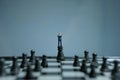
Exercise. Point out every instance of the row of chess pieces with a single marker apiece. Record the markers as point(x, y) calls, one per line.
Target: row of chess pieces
point(14, 69)
point(94, 63)
point(25, 65)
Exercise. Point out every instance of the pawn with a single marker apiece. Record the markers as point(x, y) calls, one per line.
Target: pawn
point(92, 73)
point(24, 61)
point(37, 65)
point(14, 68)
point(32, 57)
point(44, 62)
point(86, 57)
point(83, 67)
point(2, 67)
point(115, 68)
point(104, 64)
point(76, 61)
point(29, 75)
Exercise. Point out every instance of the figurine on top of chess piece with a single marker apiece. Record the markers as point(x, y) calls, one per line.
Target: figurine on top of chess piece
point(60, 55)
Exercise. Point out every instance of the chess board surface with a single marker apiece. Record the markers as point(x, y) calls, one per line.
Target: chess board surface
point(63, 70)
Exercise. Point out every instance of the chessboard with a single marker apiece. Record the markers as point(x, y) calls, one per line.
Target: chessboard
point(55, 68)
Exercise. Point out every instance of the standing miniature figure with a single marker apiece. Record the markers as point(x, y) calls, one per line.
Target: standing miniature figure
point(60, 55)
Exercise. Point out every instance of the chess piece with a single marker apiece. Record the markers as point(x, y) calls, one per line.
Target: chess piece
point(37, 65)
point(60, 55)
point(92, 73)
point(2, 67)
point(24, 61)
point(29, 75)
point(32, 57)
point(83, 67)
point(44, 62)
point(115, 68)
point(76, 61)
point(14, 67)
point(86, 57)
point(94, 57)
point(116, 76)
point(104, 64)
point(94, 60)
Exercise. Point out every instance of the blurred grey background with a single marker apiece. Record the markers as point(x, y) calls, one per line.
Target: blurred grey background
point(92, 25)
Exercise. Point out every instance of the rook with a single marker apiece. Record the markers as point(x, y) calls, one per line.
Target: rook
point(94, 60)
point(14, 67)
point(32, 57)
point(104, 64)
point(86, 57)
point(24, 61)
